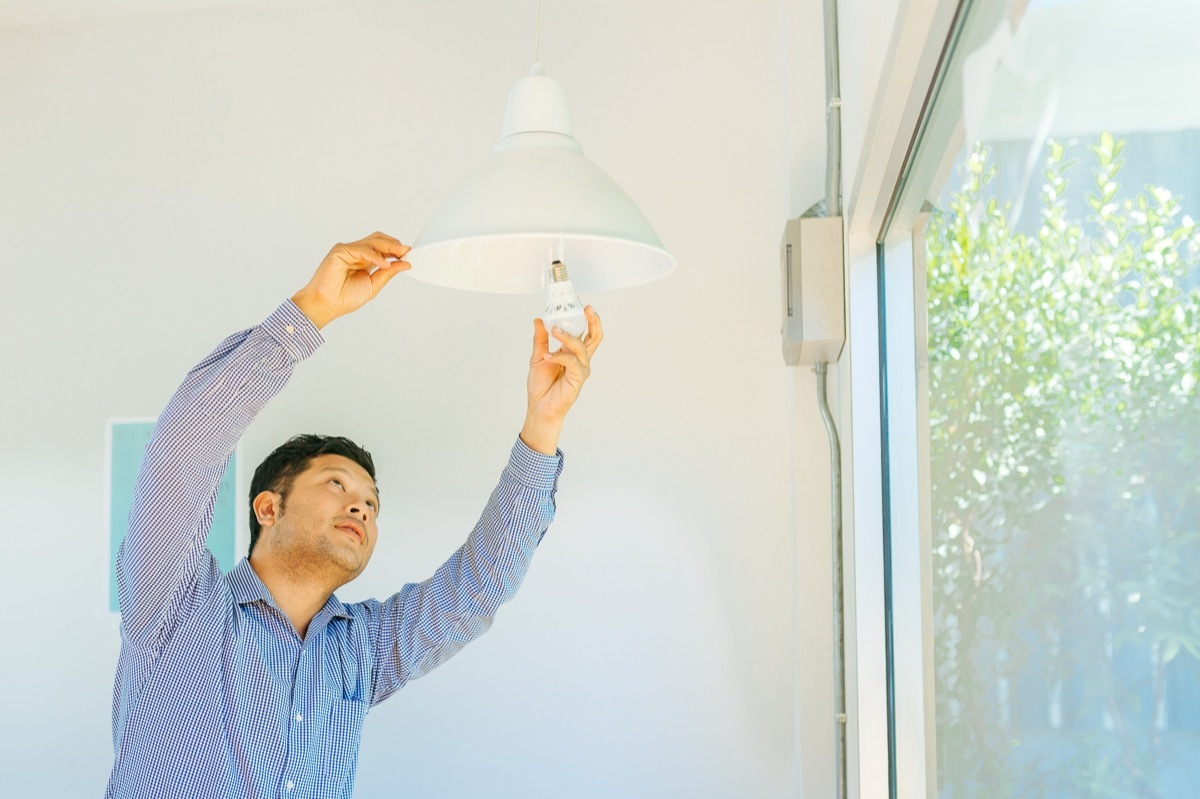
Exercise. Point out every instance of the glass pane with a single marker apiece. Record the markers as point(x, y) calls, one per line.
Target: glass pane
point(1063, 281)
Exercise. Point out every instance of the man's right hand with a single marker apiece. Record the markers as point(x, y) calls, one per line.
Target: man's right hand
point(350, 277)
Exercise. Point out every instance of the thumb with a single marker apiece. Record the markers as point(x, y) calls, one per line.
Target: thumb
point(541, 342)
point(381, 276)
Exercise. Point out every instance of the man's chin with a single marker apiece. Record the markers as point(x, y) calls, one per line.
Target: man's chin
point(350, 566)
point(345, 560)
point(352, 571)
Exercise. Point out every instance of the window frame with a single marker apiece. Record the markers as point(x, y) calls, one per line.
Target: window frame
point(915, 131)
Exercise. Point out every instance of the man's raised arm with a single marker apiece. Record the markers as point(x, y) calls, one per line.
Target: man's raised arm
point(426, 623)
point(163, 566)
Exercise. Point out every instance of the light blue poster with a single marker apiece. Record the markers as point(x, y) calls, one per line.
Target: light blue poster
point(128, 440)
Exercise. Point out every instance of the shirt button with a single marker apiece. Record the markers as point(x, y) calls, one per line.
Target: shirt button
point(290, 785)
point(299, 717)
point(290, 329)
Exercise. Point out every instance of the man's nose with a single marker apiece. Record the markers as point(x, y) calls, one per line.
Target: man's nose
point(359, 509)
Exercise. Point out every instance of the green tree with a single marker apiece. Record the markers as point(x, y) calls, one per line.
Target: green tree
point(1065, 454)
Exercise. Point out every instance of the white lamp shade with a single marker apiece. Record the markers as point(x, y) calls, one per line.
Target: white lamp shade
point(536, 200)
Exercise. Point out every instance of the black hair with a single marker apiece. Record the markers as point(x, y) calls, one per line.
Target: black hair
point(279, 469)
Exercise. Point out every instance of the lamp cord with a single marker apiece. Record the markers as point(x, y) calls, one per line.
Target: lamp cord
point(537, 45)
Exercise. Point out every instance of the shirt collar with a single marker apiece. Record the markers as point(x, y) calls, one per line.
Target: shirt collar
point(247, 588)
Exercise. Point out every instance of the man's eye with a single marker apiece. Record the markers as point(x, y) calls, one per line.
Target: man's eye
point(372, 506)
point(337, 483)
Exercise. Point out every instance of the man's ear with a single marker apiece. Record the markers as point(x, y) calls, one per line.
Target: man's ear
point(267, 507)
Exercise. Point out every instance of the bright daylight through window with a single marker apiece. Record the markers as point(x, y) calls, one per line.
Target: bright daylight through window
point(1063, 284)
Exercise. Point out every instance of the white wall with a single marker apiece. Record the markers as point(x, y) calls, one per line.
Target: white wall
point(166, 179)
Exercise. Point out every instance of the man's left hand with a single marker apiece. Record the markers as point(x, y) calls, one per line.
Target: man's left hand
point(555, 379)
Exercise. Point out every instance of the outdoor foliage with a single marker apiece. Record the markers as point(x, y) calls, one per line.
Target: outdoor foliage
point(1065, 460)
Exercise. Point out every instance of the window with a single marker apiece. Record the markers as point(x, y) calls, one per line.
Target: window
point(1051, 289)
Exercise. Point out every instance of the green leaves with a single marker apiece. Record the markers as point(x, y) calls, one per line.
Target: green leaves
point(1065, 450)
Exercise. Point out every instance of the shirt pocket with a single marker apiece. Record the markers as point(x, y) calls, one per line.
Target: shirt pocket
point(339, 753)
point(349, 657)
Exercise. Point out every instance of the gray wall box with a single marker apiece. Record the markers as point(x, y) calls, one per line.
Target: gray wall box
point(814, 294)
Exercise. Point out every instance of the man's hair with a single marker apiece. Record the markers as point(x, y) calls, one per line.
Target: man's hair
point(279, 469)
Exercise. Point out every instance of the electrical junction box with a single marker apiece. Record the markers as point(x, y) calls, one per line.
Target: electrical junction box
point(814, 290)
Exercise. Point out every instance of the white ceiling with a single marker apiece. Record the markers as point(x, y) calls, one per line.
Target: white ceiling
point(51, 13)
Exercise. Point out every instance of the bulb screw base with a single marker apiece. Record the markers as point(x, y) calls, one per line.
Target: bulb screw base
point(558, 272)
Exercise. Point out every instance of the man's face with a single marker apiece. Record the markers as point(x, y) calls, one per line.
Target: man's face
point(328, 519)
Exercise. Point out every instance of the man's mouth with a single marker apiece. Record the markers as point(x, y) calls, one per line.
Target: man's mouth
point(352, 529)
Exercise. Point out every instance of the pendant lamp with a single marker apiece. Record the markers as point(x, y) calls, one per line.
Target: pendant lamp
point(535, 201)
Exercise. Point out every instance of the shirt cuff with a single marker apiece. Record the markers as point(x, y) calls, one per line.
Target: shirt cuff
point(294, 331)
point(534, 469)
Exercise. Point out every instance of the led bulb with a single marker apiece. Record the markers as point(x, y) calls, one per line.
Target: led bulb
point(563, 308)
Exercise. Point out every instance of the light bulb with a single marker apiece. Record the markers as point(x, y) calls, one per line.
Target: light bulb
point(563, 308)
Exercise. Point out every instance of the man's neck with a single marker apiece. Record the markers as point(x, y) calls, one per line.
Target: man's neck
point(298, 594)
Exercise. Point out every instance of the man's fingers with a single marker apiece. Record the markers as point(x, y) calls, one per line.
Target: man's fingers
point(351, 275)
point(572, 350)
point(541, 341)
point(370, 252)
point(572, 344)
point(356, 256)
point(381, 276)
point(595, 332)
point(576, 371)
point(386, 245)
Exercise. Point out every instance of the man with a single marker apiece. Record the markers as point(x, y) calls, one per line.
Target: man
point(255, 683)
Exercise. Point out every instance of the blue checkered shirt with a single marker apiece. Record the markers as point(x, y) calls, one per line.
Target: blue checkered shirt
point(215, 694)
